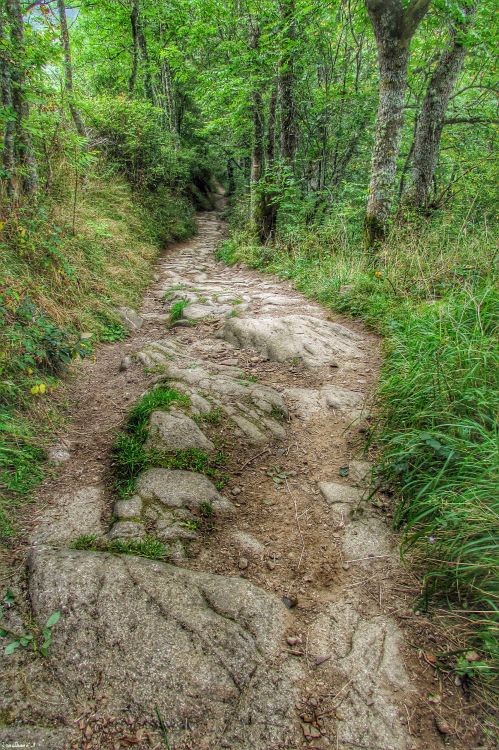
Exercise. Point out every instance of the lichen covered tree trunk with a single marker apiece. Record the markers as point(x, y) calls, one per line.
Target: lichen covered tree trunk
point(287, 82)
point(27, 158)
point(394, 25)
point(8, 153)
point(68, 70)
point(431, 119)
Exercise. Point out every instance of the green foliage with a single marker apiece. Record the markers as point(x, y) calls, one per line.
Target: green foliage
point(177, 308)
point(148, 547)
point(36, 640)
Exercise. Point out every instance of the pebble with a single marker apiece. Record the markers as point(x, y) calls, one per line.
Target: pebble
point(125, 363)
point(270, 564)
point(236, 491)
point(293, 640)
point(346, 566)
point(242, 563)
point(442, 726)
point(290, 601)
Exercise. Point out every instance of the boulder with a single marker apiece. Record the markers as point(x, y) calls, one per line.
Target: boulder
point(313, 341)
point(173, 431)
point(136, 634)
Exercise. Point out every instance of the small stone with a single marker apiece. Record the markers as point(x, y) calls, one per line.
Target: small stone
point(290, 601)
point(125, 363)
point(130, 318)
point(346, 566)
point(310, 732)
point(236, 491)
point(129, 508)
point(270, 564)
point(127, 530)
point(321, 659)
point(293, 640)
point(58, 454)
point(472, 656)
point(242, 563)
point(442, 726)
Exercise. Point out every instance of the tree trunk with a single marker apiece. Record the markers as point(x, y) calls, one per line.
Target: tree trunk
point(270, 156)
point(140, 45)
point(394, 26)
point(19, 103)
point(68, 70)
point(135, 50)
point(267, 208)
point(170, 106)
point(431, 120)
point(287, 81)
point(8, 155)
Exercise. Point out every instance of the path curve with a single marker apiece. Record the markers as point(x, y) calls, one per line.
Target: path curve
point(280, 623)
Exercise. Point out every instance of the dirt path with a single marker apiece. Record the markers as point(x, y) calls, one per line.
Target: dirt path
point(285, 620)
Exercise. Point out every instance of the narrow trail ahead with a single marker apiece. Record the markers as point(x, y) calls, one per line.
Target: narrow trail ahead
point(284, 620)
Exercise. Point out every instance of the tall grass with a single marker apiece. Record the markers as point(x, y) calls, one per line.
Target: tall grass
point(433, 298)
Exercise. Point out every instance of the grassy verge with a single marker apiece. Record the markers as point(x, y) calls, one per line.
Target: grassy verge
point(66, 266)
point(434, 301)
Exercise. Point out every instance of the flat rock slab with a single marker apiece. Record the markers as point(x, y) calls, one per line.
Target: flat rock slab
point(36, 737)
point(313, 341)
point(309, 402)
point(368, 655)
point(202, 648)
point(340, 493)
point(173, 431)
point(180, 489)
point(70, 516)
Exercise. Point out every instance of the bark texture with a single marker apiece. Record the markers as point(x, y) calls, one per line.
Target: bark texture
point(26, 153)
point(68, 70)
point(431, 119)
point(8, 155)
point(394, 26)
point(287, 81)
point(140, 49)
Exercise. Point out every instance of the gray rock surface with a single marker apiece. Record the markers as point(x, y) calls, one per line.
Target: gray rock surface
point(314, 341)
point(202, 648)
point(70, 516)
point(340, 493)
point(173, 431)
point(130, 318)
point(309, 402)
point(129, 508)
point(180, 489)
point(132, 530)
point(36, 737)
point(368, 656)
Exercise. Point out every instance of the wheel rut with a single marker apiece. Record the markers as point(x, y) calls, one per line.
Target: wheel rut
point(282, 622)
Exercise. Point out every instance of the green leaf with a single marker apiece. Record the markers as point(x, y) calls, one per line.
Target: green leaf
point(11, 647)
point(53, 619)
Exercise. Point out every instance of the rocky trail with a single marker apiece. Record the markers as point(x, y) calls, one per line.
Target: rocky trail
point(283, 618)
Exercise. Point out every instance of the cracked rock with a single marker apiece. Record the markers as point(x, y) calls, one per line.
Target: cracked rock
point(200, 647)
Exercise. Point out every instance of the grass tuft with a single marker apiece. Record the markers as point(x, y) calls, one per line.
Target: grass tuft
point(147, 547)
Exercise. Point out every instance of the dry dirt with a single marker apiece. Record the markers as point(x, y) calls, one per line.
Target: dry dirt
point(310, 611)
